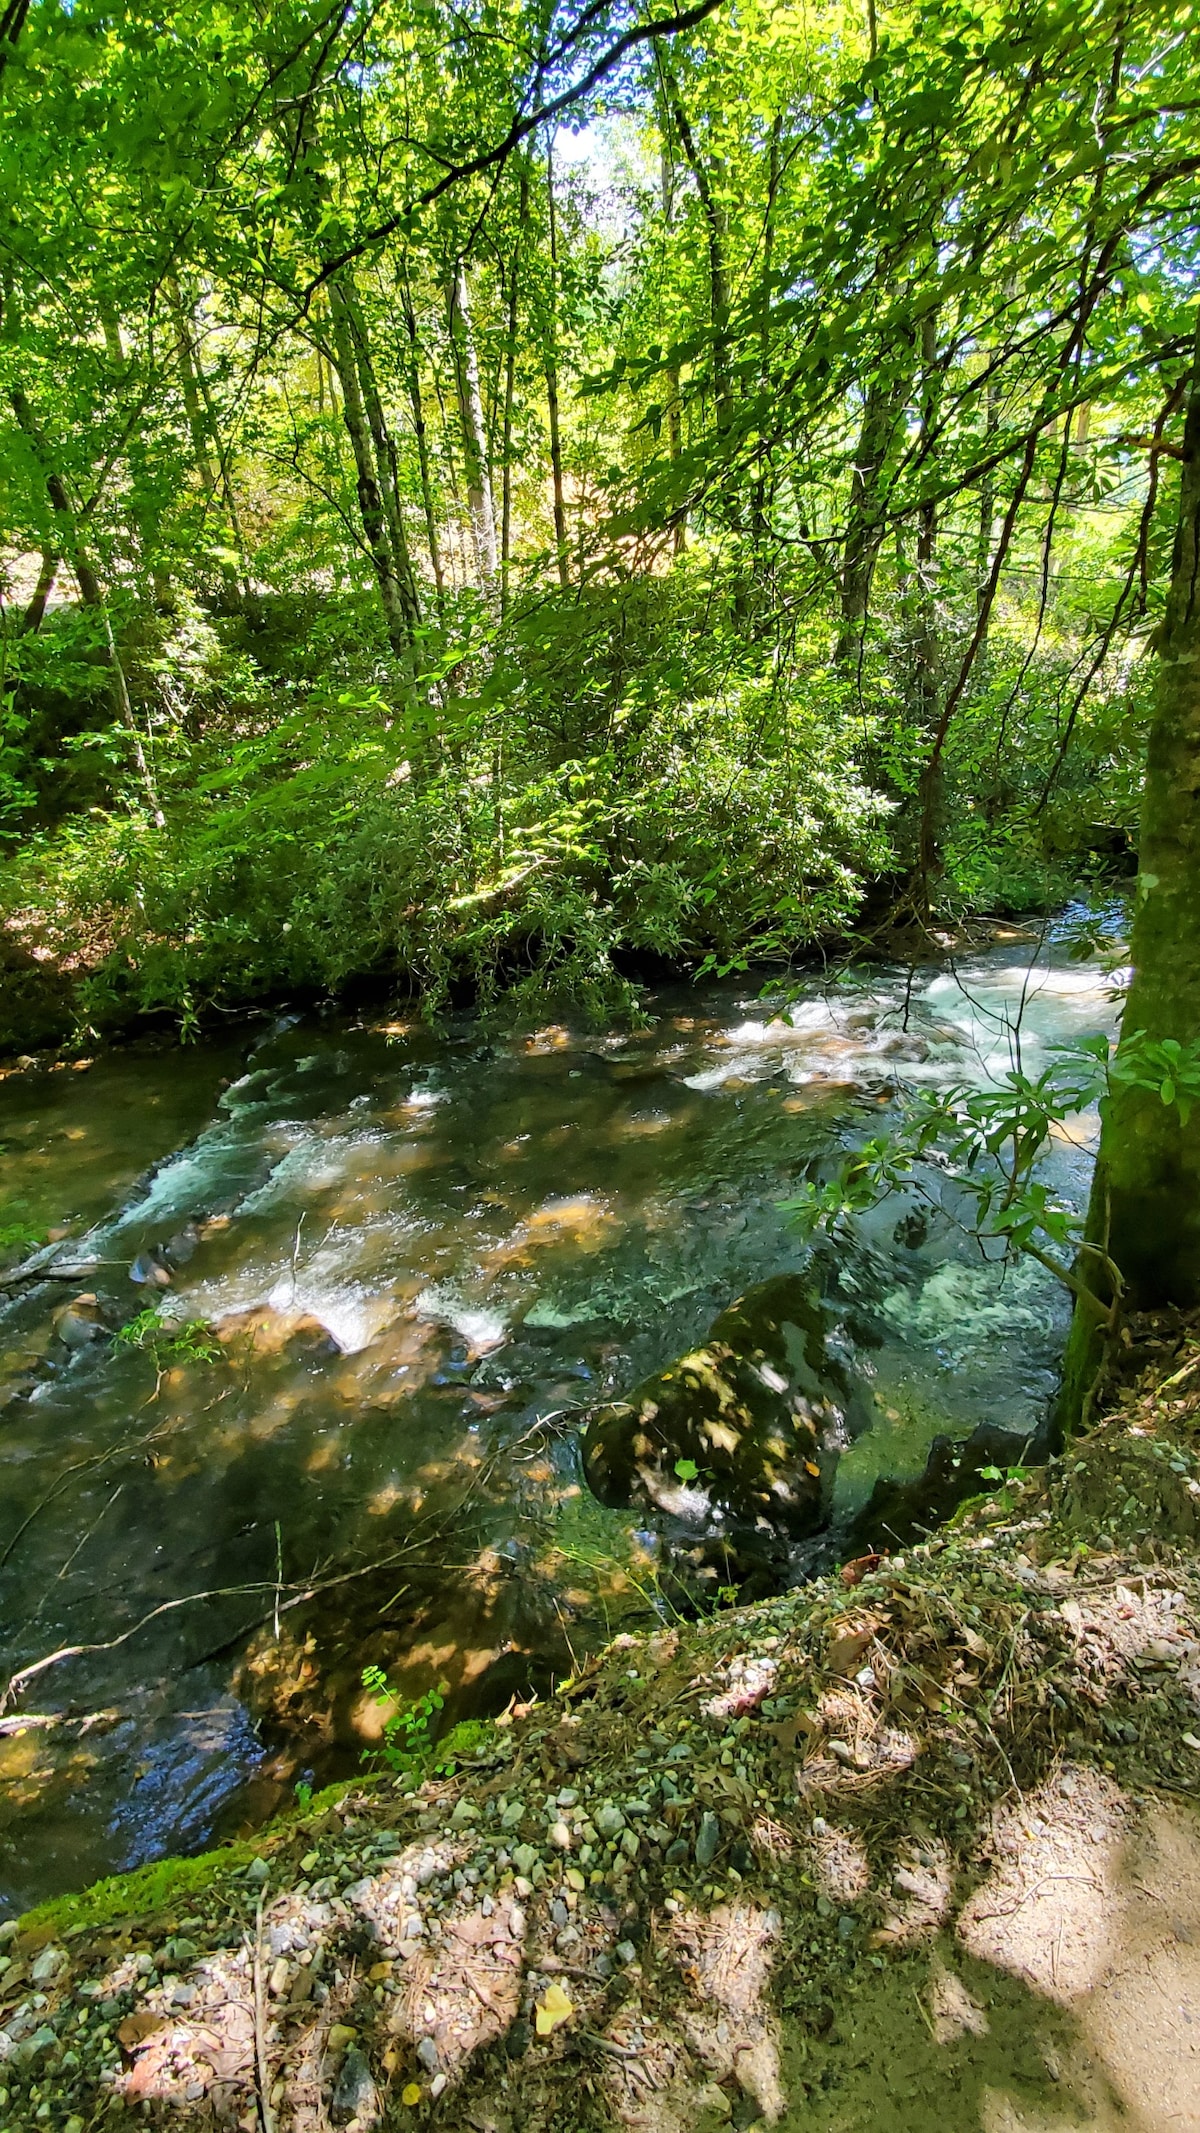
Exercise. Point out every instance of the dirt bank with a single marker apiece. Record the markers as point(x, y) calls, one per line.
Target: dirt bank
point(915, 1847)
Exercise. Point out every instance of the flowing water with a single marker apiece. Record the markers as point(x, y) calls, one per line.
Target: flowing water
point(420, 1254)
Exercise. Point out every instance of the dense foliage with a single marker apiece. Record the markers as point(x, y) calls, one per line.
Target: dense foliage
point(491, 490)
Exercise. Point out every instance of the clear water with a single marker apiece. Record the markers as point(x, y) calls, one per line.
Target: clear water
point(423, 1253)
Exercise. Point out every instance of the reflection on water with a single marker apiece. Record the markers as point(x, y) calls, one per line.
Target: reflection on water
point(421, 1253)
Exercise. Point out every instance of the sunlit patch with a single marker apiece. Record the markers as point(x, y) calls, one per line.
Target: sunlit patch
point(386, 1498)
point(323, 1456)
point(554, 1038)
point(1081, 1130)
point(841, 1868)
point(726, 1958)
point(482, 1329)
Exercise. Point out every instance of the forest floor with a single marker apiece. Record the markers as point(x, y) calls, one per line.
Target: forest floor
point(914, 1847)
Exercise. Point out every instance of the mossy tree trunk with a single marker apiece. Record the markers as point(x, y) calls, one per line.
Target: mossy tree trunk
point(1145, 1206)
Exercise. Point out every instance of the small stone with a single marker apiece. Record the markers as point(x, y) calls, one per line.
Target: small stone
point(576, 1880)
point(309, 1861)
point(558, 1912)
point(74, 2125)
point(257, 1870)
point(560, 1836)
point(414, 1926)
point(438, 2083)
point(46, 1966)
point(280, 1973)
point(625, 1952)
point(516, 1922)
point(525, 1859)
point(609, 1820)
point(676, 1853)
point(427, 2053)
point(340, 2038)
point(487, 1907)
point(464, 1812)
point(707, 1840)
point(629, 1843)
point(512, 1814)
point(354, 2095)
point(567, 1798)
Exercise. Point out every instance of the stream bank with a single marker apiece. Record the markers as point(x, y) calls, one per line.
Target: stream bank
point(915, 1845)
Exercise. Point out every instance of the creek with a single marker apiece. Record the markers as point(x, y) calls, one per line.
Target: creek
point(420, 1254)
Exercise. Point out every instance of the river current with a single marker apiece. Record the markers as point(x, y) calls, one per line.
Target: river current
point(420, 1255)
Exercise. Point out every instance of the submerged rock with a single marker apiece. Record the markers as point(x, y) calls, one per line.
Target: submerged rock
point(900, 1512)
point(746, 1428)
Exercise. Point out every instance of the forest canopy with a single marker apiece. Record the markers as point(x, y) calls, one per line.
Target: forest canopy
point(493, 493)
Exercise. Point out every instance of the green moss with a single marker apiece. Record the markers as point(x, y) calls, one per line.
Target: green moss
point(152, 1888)
point(464, 1738)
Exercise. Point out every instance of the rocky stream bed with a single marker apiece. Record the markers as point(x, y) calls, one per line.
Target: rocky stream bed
point(913, 1846)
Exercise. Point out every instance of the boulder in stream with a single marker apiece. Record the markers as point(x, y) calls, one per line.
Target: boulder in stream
point(745, 1428)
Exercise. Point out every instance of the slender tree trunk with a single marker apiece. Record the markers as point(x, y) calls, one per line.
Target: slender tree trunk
point(1144, 1214)
point(925, 646)
point(416, 402)
point(396, 603)
point(987, 499)
point(510, 380)
point(474, 435)
point(718, 266)
point(74, 548)
point(35, 613)
point(550, 355)
point(674, 383)
point(387, 471)
point(758, 516)
point(865, 516)
point(198, 408)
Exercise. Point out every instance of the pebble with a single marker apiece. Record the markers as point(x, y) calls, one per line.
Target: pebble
point(340, 2037)
point(427, 2053)
point(560, 1836)
point(525, 1859)
point(625, 1952)
point(707, 1840)
point(609, 1820)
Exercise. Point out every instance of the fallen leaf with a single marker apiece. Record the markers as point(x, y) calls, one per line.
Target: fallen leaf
point(135, 2029)
point(788, 1730)
point(411, 2095)
point(844, 1653)
point(854, 1573)
point(556, 2007)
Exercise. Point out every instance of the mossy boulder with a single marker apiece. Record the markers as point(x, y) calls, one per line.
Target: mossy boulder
point(744, 1430)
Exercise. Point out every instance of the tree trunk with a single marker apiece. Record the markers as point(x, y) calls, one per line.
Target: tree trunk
point(1145, 1206)
point(74, 549)
point(718, 268)
point(35, 613)
point(758, 515)
point(925, 653)
point(387, 471)
point(865, 516)
point(213, 474)
point(416, 402)
point(550, 356)
point(397, 607)
point(510, 382)
point(474, 435)
point(674, 382)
